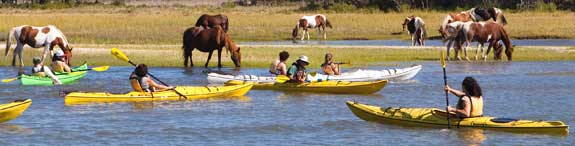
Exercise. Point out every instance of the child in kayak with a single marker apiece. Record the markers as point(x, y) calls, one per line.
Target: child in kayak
point(59, 62)
point(329, 67)
point(279, 66)
point(40, 70)
point(297, 72)
point(141, 82)
point(470, 102)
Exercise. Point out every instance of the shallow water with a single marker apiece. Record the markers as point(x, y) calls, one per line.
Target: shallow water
point(528, 90)
point(526, 42)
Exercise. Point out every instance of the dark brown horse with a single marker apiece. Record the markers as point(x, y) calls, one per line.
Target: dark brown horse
point(208, 40)
point(483, 32)
point(210, 21)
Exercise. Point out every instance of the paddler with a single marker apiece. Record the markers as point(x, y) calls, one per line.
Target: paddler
point(142, 82)
point(329, 67)
point(279, 67)
point(297, 72)
point(59, 62)
point(470, 102)
point(42, 71)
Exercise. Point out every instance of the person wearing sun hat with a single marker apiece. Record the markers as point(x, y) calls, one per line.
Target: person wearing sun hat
point(297, 72)
point(40, 70)
point(59, 62)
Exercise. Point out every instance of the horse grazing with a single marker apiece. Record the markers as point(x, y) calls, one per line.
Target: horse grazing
point(474, 14)
point(208, 40)
point(318, 21)
point(210, 21)
point(416, 28)
point(483, 32)
point(36, 37)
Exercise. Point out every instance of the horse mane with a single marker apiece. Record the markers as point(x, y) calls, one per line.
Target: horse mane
point(506, 41)
point(446, 21)
point(61, 34)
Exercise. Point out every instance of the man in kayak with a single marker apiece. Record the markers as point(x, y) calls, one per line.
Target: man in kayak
point(42, 71)
point(141, 82)
point(59, 62)
point(297, 72)
point(279, 66)
point(470, 102)
point(329, 67)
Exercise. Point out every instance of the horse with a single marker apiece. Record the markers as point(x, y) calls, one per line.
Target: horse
point(36, 37)
point(483, 32)
point(475, 15)
point(318, 21)
point(208, 40)
point(210, 21)
point(416, 28)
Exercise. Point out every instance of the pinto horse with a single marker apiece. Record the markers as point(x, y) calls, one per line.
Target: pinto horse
point(474, 14)
point(210, 21)
point(36, 37)
point(416, 28)
point(318, 21)
point(482, 32)
point(208, 40)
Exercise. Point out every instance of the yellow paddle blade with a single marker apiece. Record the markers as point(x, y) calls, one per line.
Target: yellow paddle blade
point(313, 73)
point(101, 68)
point(282, 78)
point(119, 54)
point(9, 80)
point(442, 59)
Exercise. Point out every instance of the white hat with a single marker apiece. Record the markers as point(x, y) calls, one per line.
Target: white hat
point(59, 53)
point(304, 59)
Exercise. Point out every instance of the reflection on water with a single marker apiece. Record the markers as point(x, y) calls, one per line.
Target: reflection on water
point(471, 136)
point(7, 128)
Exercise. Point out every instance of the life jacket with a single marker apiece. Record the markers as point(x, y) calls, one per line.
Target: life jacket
point(327, 68)
point(140, 84)
point(476, 107)
point(38, 71)
point(56, 67)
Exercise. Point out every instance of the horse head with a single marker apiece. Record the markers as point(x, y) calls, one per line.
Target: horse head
point(68, 54)
point(451, 30)
point(234, 50)
point(405, 21)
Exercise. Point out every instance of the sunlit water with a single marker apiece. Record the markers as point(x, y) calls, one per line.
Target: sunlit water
point(525, 42)
point(528, 90)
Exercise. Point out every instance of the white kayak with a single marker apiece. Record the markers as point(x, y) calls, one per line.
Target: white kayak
point(359, 75)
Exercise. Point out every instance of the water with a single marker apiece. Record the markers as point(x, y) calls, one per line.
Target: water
point(529, 90)
point(526, 42)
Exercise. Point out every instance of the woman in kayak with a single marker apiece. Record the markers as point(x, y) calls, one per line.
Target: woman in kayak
point(297, 72)
point(279, 66)
point(470, 102)
point(329, 67)
point(59, 62)
point(141, 81)
point(40, 70)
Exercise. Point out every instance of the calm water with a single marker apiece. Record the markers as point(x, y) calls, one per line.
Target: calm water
point(526, 42)
point(529, 90)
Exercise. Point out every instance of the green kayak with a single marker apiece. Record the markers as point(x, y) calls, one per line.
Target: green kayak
point(65, 78)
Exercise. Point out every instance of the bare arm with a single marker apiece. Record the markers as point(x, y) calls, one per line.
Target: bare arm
point(465, 112)
point(454, 91)
point(49, 73)
point(336, 69)
point(283, 69)
point(66, 67)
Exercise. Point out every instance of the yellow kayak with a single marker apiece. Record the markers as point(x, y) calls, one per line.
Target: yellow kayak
point(13, 110)
point(437, 117)
point(341, 87)
point(197, 92)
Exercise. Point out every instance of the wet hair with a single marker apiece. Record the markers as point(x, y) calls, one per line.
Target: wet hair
point(141, 70)
point(36, 60)
point(471, 87)
point(284, 55)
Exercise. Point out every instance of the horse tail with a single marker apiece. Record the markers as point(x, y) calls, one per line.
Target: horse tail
point(328, 23)
point(424, 29)
point(200, 20)
point(188, 35)
point(8, 39)
point(503, 20)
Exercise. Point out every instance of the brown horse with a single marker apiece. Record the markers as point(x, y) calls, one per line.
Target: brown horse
point(37, 37)
point(318, 21)
point(208, 40)
point(210, 21)
point(483, 32)
point(475, 15)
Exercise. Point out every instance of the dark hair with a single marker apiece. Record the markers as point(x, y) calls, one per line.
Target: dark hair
point(328, 57)
point(284, 55)
point(471, 87)
point(141, 70)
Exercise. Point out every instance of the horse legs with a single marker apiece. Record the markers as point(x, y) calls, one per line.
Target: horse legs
point(18, 53)
point(449, 43)
point(467, 43)
point(412, 39)
point(209, 57)
point(491, 44)
point(479, 47)
point(306, 31)
point(220, 58)
point(303, 34)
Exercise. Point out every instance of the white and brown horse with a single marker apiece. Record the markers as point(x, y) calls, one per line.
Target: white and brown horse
point(416, 28)
point(481, 32)
point(208, 40)
point(36, 37)
point(474, 14)
point(318, 21)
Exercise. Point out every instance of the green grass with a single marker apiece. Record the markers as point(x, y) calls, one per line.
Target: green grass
point(164, 25)
point(258, 57)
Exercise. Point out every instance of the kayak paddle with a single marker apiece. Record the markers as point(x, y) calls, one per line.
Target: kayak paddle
point(98, 69)
point(120, 55)
point(282, 78)
point(446, 94)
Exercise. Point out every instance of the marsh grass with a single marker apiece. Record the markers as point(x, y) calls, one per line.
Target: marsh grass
point(164, 25)
point(258, 57)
